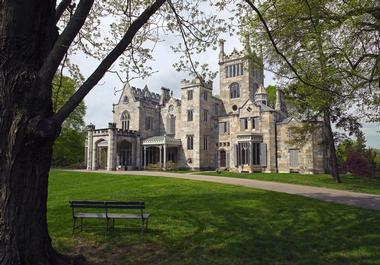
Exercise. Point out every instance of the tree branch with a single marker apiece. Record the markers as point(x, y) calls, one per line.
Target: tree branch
point(269, 33)
point(60, 9)
point(64, 41)
point(94, 78)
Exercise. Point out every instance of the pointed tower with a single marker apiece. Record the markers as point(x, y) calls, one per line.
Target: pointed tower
point(241, 73)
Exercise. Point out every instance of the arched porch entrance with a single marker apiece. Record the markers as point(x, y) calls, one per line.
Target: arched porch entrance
point(101, 151)
point(125, 154)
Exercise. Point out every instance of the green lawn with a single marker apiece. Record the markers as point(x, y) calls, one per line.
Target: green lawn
point(205, 223)
point(352, 183)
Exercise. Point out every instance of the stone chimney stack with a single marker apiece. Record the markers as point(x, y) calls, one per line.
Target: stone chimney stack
point(280, 102)
point(165, 95)
point(221, 50)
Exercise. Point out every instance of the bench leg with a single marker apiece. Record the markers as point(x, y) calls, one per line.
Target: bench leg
point(113, 224)
point(146, 224)
point(74, 223)
point(142, 225)
point(81, 224)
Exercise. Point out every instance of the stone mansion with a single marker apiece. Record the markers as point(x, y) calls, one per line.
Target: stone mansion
point(237, 130)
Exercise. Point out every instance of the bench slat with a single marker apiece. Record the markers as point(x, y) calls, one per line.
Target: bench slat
point(128, 216)
point(90, 215)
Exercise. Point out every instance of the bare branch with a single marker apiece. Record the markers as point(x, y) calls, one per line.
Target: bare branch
point(60, 9)
point(94, 78)
point(64, 41)
point(269, 33)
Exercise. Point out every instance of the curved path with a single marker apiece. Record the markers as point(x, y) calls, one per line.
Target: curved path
point(363, 200)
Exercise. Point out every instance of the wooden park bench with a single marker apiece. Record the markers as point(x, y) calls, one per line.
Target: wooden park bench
point(107, 210)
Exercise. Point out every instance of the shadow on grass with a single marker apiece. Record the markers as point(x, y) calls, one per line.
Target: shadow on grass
point(247, 227)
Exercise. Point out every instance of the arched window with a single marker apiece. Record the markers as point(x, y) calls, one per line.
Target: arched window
point(171, 124)
point(234, 90)
point(125, 121)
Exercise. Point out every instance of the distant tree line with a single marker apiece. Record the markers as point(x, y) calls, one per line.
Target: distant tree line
point(356, 158)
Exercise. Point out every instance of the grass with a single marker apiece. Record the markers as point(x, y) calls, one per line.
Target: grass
point(349, 182)
point(206, 223)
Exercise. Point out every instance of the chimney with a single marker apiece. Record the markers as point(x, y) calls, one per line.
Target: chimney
point(165, 95)
point(280, 102)
point(221, 50)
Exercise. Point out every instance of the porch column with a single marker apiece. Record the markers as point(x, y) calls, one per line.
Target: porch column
point(144, 158)
point(94, 156)
point(251, 153)
point(160, 156)
point(90, 143)
point(137, 157)
point(111, 147)
point(164, 156)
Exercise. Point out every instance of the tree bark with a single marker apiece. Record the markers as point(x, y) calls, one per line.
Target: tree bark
point(330, 142)
point(28, 127)
point(27, 34)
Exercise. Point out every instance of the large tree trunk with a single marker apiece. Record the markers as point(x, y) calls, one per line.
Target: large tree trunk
point(330, 142)
point(27, 33)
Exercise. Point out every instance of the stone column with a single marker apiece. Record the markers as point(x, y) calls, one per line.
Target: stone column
point(137, 157)
point(144, 157)
point(111, 152)
point(160, 156)
point(94, 156)
point(164, 156)
point(90, 140)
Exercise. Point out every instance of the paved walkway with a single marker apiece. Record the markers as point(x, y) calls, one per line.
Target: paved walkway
point(362, 200)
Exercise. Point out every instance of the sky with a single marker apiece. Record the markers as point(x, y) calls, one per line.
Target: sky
point(99, 101)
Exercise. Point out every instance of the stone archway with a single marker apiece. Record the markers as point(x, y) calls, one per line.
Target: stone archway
point(101, 151)
point(125, 154)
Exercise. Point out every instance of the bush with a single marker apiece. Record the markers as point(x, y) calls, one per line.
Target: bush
point(358, 165)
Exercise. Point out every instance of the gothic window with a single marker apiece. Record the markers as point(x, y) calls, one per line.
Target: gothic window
point(234, 70)
point(125, 121)
point(256, 153)
point(234, 90)
point(148, 123)
point(205, 95)
point(171, 125)
point(293, 157)
point(205, 115)
point(223, 127)
point(190, 115)
point(255, 123)
point(244, 153)
point(190, 142)
point(216, 109)
point(205, 142)
point(244, 124)
point(189, 94)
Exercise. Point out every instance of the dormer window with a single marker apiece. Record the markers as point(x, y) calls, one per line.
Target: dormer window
point(234, 90)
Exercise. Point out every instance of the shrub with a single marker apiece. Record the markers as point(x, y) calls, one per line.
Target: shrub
point(358, 165)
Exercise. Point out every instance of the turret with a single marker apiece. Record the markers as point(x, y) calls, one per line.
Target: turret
point(261, 95)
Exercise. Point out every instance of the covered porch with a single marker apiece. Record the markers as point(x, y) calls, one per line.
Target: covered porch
point(158, 150)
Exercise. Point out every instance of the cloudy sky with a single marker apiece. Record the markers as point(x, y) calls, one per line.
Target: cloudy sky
point(99, 101)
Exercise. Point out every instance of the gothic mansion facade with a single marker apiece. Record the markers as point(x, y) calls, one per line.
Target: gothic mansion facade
point(238, 131)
